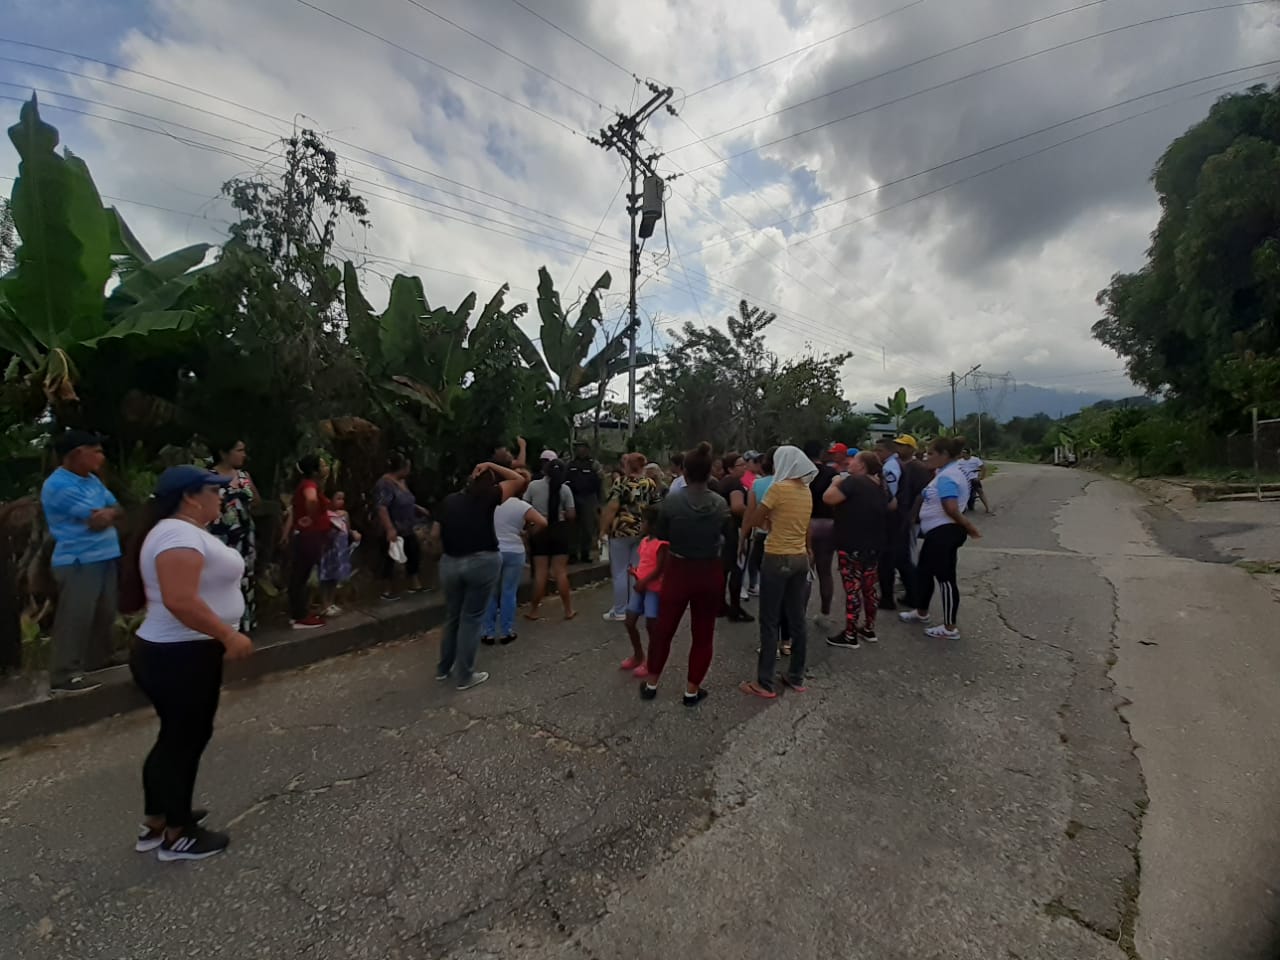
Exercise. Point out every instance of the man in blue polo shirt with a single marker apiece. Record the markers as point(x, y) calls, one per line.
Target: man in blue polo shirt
point(81, 513)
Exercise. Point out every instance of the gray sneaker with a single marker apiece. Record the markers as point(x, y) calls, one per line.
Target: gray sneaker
point(477, 678)
point(74, 686)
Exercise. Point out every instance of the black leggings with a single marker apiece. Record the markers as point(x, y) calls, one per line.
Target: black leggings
point(938, 555)
point(183, 682)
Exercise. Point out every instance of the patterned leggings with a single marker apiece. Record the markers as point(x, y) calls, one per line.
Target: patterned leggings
point(861, 575)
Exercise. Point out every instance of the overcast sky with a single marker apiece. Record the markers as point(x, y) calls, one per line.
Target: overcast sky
point(916, 277)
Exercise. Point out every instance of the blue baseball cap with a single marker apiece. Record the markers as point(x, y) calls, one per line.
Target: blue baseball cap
point(187, 478)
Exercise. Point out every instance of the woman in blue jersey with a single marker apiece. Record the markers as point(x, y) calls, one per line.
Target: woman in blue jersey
point(945, 529)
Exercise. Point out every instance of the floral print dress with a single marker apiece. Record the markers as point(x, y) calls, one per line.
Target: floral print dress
point(235, 529)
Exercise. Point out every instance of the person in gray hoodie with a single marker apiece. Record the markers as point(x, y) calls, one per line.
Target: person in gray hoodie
point(692, 520)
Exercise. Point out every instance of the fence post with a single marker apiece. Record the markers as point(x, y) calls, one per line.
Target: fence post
point(1257, 469)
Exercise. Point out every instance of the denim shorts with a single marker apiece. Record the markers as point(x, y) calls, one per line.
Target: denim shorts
point(644, 603)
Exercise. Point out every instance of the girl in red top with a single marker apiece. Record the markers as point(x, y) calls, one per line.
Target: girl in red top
point(309, 533)
point(648, 590)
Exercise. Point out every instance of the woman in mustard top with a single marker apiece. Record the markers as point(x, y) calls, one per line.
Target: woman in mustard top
point(786, 511)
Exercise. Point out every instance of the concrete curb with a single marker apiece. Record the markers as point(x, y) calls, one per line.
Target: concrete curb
point(275, 651)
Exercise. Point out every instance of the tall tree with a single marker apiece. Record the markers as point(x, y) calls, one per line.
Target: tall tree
point(736, 392)
point(275, 341)
point(1201, 318)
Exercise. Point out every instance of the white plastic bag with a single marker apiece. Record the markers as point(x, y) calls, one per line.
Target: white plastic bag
point(395, 550)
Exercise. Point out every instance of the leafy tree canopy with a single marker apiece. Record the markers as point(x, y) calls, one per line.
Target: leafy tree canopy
point(1201, 319)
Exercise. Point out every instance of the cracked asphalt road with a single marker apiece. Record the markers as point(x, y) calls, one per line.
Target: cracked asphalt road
point(1072, 780)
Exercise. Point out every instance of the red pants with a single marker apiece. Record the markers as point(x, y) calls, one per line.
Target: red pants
point(698, 585)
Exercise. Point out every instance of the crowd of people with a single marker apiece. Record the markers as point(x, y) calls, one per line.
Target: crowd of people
point(706, 536)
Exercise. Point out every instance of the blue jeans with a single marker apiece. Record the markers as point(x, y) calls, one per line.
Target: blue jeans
point(467, 583)
point(503, 599)
point(624, 552)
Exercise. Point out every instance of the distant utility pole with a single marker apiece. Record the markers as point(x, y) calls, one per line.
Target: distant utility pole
point(954, 382)
point(623, 136)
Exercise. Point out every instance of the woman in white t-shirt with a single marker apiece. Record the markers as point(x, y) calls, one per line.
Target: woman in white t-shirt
point(191, 581)
point(510, 521)
point(945, 529)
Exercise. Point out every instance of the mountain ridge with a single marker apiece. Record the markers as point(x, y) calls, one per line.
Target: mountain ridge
point(1022, 400)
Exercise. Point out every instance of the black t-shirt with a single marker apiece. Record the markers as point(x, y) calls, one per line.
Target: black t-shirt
point(818, 486)
point(727, 488)
point(466, 523)
point(860, 522)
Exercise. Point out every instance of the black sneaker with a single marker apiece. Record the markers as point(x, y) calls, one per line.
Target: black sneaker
point(509, 638)
point(195, 844)
point(844, 641)
point(647, 692)
point(740, 616)
point(388, 596)
point(692, 700)
point(488, 641)
point(73, 686)
point(868, 635)
point(151, 837)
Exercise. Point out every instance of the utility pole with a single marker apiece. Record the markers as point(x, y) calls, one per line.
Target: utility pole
point(954, 382)
point(623, 136)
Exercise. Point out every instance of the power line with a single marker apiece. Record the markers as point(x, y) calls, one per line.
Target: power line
point(581, 43)
point(274, 133)
point(439, 66)
point(996, 146)
point(807, 46)
point(572, 248)
point(1026, 156)
point(893, 70)
point(862, 293)
point(506, 53)
point(969, 76)
point(600, 226)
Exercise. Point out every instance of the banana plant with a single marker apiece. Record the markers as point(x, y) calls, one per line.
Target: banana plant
point(896, 408)
point(53, 302)
point(411, 351)
point(575, 375)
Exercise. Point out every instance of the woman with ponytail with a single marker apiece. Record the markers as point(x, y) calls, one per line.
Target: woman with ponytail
point(692, 522)
point(191, 583)
point(552, 498)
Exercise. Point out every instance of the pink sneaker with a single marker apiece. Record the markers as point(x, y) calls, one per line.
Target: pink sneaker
point(641, 672)
point(631, 663)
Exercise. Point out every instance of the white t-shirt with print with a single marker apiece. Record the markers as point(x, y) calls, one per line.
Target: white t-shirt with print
point(949, 484)
point(219, 580)
point(971, 468)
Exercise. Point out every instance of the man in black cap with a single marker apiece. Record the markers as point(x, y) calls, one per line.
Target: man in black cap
point(584, 481)
point(81, 513)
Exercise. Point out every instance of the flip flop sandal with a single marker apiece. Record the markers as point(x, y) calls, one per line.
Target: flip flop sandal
point(755, 690)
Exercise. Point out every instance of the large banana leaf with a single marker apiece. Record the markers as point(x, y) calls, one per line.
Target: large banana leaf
point(566, 345)
point(400, 331)
point(363, 325)
point(142, 284)
point(87, 219)
point(17, 340)
point(135, 323)
point(46, 289)
point(123, 242)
